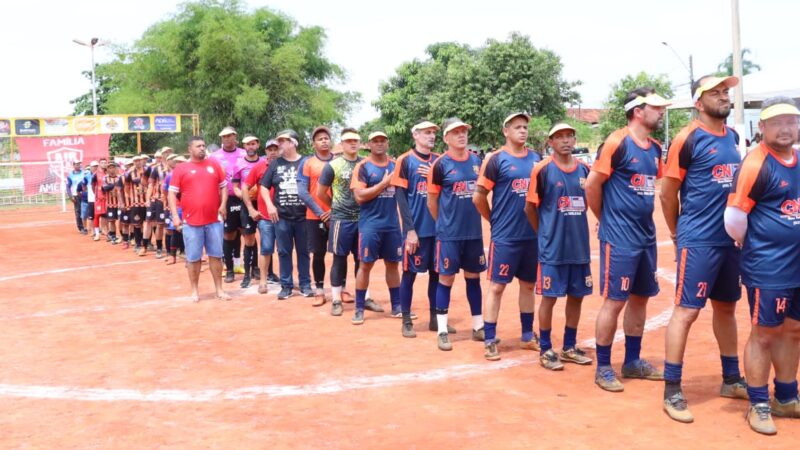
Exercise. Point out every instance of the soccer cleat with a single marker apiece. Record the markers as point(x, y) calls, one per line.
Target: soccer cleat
point(371, 305)
point(788, 409)
point(443, 342)
point(238, 269)
point(229, 277)
point(319, 298)
point(606, 378)
point(142, 251)
point(151, 247)
point(491, 353)
point(273, 279)
point(347, 297)
point(397, 313)
point(549, 360)
point(159, 254)
point(677, 408)
point(533, 344)
point(408, 330)
point(737, 389)
point(245, 282)
point(96, 237)
point(358, 318)
point(306, 291)
point(285, 292)
point(478, 335)
point(575, 355)
point(760, 419)
point(336, 308)
point(643, 370)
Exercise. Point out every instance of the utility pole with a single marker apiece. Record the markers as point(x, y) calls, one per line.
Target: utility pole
point(738, 72)
point(94, 42)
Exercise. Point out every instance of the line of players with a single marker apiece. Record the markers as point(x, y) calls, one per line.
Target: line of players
point(422, 213)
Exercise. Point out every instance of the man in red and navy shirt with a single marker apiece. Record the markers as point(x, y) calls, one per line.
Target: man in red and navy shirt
point(512, 253)
point(620, 191)
point(763, 215)
point(699, 174)
point(202, 185)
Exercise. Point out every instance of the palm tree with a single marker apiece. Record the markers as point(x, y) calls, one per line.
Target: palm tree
point(748, 67)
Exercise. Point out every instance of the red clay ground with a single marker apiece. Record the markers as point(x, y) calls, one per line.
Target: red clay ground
point(103, 350)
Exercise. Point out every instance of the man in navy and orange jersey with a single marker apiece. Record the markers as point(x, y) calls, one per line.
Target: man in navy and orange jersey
point(459, 240)
point(763, 214)
point(512, 252)
point(698, 178)
point(620, 191)
point(317, 212)
point(378, 225)
point(556, 209)
point(419, 231)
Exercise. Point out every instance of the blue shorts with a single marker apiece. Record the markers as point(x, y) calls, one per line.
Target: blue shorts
point(206, 236)
point(85, 211)
point(266, 236)
point(421, 260)
point(513, 259)
point(770, 307)
point(343, 237)
point(564, 279)
point(168, 219)
point(708, 272)
point(385, 245)
point(454, 255)
point(625, 271)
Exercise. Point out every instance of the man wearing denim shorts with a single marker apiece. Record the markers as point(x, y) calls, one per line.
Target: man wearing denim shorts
point(251, 186)
point(202, 184)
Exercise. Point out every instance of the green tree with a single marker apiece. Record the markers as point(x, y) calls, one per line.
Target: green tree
point(614, 118)
point(479, 85)
point(255, 70)
point(725, 68)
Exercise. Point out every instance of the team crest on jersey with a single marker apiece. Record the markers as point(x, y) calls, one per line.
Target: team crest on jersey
point(476, 169)
point(588, 281)
point(582, 181)
point(210, 169)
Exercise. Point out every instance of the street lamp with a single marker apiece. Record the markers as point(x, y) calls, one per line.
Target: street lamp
point(689, 68)
point(94, 42)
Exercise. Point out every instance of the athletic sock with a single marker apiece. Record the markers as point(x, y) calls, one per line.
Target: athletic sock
point(237, 246)
point(730, 369)
point(361, 299)
point(159, 245)
point(544, 341)
point(336, 293)
point(603, 355)
point(407, 291)
point(758, 394)
point(125, 237)
point(489, 332)
point(633, 346)
point(227, 253)
point(673, 372)
point(785, 392)
point(474, 297)
point(248, 251)
point(477, 322)
point(253, 258)
point(394, 297)
point(137, 236)
point(433, 283)
point(570, 338)
point(526, 319)
point(443, 297)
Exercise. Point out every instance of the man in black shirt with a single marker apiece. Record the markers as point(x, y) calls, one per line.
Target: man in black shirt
point(288, 212)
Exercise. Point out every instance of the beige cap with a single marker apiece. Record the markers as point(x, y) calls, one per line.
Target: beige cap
point(454, 125)
point(250, 138)
point(424, 125)
point(375, 134)
point(513, 116)
point(558, 127)
point(227, 130)
point(350, 136)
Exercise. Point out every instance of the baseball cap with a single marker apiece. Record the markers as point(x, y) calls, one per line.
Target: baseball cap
point(166, 150)
point(320, 129)
point(76, 162)
point(558, 127)
point(375, 134)
point(157, 153)
point(181, 158)
point(349, 136)
point(227, 130)
point(287, 134)
point(250, 138)
point(424, 125)
point(113, 164)
point(779, 109)
point(514, 115)
point(651, 99)
point(448, 127)
point(94, 163)
point(712, 82)
point(272, 143)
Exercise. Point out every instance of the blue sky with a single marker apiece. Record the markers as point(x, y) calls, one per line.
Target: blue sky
point(599, 41)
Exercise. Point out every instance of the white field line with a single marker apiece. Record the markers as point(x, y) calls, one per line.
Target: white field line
point(41, 223)
point(299, 390)
point(70, 269)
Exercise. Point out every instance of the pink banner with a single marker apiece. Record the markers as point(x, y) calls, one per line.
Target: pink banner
point(59, 153)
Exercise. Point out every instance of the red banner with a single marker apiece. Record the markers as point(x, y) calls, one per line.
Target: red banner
point(59, 153)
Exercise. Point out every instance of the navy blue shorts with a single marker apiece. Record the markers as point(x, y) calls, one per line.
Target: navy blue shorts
point(564, 279)
point(421, 260)
point(770, 307)
point(513, 259)
point(708, 272)
point(385, 245)
point(343, 237)
point(454, 255)
point(625, 271)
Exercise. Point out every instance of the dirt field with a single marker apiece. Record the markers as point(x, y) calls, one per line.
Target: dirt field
point(102, 349)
